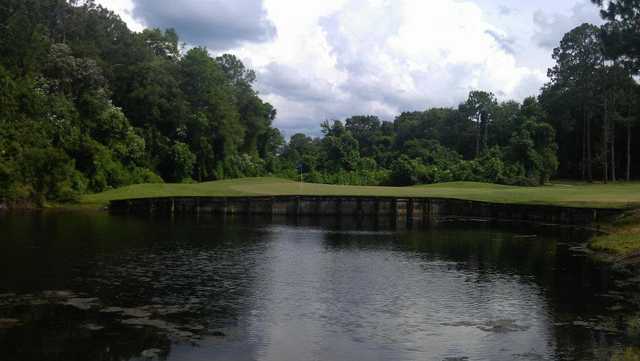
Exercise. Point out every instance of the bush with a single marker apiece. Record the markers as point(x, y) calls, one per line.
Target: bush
point(182, 160)
point(144, 175)
point(107, 172)
point(489, 167)
point(243, 165)
point(404, 171)
point(7, 180)
point(359, 178)
point(52, 175)
point(514, 174)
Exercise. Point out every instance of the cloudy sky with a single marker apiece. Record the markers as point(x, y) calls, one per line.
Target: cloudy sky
point(328, 59)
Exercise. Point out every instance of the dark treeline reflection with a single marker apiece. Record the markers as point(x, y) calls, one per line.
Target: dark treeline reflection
point(93, 286)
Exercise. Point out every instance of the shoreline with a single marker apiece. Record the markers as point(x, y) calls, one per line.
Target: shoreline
point(398, 209)
point(620, 242)
point(607, 224)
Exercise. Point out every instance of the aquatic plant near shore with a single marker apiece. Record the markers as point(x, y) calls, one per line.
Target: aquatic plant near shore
point(622, 239)
point(629, 354)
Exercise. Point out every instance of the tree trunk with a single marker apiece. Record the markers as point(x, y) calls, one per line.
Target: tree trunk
point(605, 142)
point(583, 163)
point(612, 139)
point(478, 138)
point(577, 153)
point(612, 136)
point(485, 123)
point(589, 155)
point(629, 149)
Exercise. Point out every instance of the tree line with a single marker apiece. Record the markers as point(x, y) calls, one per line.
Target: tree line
point(481, 140)
point(87, 105)
point(581, 126)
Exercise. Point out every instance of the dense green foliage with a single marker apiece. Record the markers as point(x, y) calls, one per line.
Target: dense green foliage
point(88, 105)
point(592, 101)
point(482, 140)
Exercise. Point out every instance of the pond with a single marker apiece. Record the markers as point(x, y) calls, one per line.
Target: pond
point(94, 286)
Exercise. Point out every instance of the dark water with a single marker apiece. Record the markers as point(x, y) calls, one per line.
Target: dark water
point(89, 286)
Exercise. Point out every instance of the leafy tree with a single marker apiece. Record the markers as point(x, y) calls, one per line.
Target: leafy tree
point(87, 105)
point(365, 130)
point(112, 107)
point(620, 34)
point(182, 161)
point(405, 171)
point(340, 148)
point(51, 175)
point(533, 146)
point(578, 60)
point(163, 44)
point(302, 153)
point(479, 107)
point(214, 130)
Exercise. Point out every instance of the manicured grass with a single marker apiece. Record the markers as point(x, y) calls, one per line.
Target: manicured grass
point(615, 195)
point(623, 238)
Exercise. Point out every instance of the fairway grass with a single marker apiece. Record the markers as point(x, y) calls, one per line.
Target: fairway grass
point(615, 195)
point(623, 238)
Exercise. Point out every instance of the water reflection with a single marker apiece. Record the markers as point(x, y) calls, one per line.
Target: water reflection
point(280, 289)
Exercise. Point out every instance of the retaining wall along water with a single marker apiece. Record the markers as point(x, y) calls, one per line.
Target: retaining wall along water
point(400, 209)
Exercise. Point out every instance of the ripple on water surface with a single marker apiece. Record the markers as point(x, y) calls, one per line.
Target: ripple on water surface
point(254, 290)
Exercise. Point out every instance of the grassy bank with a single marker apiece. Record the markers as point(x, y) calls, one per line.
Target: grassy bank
point(622, 239)
point(616, 195)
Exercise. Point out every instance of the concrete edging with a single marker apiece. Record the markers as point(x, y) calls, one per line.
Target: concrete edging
point(411, 209)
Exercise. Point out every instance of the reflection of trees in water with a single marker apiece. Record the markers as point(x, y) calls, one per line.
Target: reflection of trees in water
point(212, 264)
point(580, 343)
point(204, 265)
point(55, 332)
point(572, 284)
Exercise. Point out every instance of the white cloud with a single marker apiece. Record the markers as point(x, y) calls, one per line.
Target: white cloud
point(124, 8)
point(551, 27)
point(384, 57)
point(218, 24)
point(335, 58)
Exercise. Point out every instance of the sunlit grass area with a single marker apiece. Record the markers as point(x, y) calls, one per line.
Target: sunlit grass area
point(570, 194)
